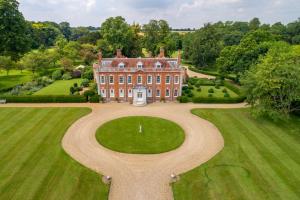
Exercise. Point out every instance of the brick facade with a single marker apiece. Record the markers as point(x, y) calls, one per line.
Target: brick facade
point(117, 77)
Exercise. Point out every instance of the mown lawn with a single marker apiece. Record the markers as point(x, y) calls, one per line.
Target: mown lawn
point(61, 87)
point(157, 136)
point(14, 78)
point(217, 92)
point(261, 160)
point(33, 164)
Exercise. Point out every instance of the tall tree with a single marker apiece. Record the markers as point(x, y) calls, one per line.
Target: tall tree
point(273, 85)
point(118, 34)
point(155, 35)
point(6, 63)
point(14, 39)
point(65, 29)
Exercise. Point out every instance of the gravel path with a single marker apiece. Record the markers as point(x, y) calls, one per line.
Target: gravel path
point(198, 75)
point(137, 177)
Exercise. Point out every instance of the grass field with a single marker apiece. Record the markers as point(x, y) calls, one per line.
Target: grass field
point(158, 135)
point(61, 87)
point(14, 78)
point(261, 160)
point(217, 92)
point(33, 164)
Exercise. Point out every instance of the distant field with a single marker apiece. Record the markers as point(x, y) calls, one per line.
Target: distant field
point(14, 78)
point(217, 92)
point(61, 87)
point(260, 160)
point(33, 164)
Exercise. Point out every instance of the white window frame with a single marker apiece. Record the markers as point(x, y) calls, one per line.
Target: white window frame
point(169, 82)
point(137, 80)
point(176, 79)
point(123, 93)
point(158, 92)
point(129, 92)
point(121, 76)
point(157, 79)
point(151, 77)
point(130, 79)
point(158, 65)
point(102, 79)
point(111, 93)
point(139, 65)
point(168, 91)
point(113, 79)
point(121, 65)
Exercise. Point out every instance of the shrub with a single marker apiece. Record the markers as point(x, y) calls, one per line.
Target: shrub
point(199, 89)
point(217, 86)
point(72, 90)
point(190, 95)
point(88, 74)
point(224, 90)
point(211, 90)
point(185, 88)
point(94, 99)
point(45, 99)
point(75, 85)
point(191, 87)
point(67, 76)
point(198, 85)
point(88, 94)
point(57, 74)
point(183, 99)
point(217, 100)
point(226, 95)
point(234, 88)
point(210, 95)
point(85, 82)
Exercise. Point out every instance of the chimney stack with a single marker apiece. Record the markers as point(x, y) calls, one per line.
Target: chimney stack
point(179, 57)
point(162, 52)
point(100, 57)
point(119, 53)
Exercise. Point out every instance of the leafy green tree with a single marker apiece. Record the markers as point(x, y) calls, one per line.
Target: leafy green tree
point(65, 30)
point(66, 63)
point(88, 53)
point(273, 85)
point(254, 24)
point(6, 63)
point(206, 46)
point(79, 32)
point(37, 61)
point(90, 38)
point(155, 34)
point(118, 35)
point(237, 59)
point(14, 31)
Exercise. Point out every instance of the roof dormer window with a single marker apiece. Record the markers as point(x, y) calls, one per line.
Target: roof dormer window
point(140, 65)
point(121, 65)
point(158, 65)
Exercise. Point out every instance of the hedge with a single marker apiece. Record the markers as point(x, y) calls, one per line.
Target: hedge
point(45, 99)
point(234, 88)
point(217, 100)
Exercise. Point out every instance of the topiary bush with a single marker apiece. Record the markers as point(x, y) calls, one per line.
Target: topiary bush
point(224, 90)
point(94, 99)
point(57, 74)
point(199, 90)
point(210, 95)
point(217, 86)
point(226, 95)
point(211, 90)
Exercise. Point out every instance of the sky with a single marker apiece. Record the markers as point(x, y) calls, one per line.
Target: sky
point(179, 13)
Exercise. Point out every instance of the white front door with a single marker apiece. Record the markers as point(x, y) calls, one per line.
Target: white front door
point(139, 96)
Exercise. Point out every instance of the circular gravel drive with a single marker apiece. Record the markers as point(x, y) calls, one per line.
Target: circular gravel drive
point(144, 177)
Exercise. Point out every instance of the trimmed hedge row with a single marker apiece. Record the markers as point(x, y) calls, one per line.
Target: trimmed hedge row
point(234, 88)
point(192, 68)
point(217, 100)
point(45, 99)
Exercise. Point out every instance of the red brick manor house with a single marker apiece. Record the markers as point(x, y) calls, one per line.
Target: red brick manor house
point(139, 80)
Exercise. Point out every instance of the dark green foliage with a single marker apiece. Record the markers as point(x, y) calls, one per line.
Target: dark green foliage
point(224, 90)
point(88, 74)
point(210, 95)
point(212, 99)
point(94, 99)
point(14, 31)
point(66, 76)
point(44, 99)
point(226, 95)
point(211, 90)
point(57, 75)
point(217, 86)
point(85, 82)
point(183, 99)
point(199, 89)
